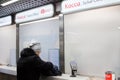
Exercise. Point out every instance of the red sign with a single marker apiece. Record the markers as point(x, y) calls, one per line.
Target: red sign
point(34, 14)
point(72, 5)
point(69, 6)
point(20, 17)
point(42, 11)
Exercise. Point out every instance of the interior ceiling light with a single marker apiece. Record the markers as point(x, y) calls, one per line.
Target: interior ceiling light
point(9, 2)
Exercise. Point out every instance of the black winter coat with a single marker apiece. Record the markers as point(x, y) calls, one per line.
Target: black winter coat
point(30, 67)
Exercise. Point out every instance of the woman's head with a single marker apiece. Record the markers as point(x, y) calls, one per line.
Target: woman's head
point(36, 47)
point(26, 52)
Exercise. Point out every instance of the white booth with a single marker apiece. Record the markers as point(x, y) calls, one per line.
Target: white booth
point(7, 46)
point(7, 42)
point(34, 27)
point(92, 36)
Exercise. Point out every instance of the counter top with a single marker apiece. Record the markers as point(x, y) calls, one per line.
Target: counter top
point(8, 70)
point(12, 71)
point(65, 77)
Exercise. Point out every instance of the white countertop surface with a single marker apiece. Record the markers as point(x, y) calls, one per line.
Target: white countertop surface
point(65, 77)
point(8, 70)
point(13, 71)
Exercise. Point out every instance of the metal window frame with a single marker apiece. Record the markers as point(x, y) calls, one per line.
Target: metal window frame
point(61, 41)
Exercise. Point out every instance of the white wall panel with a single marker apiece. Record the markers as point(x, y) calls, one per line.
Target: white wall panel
point(7, 44)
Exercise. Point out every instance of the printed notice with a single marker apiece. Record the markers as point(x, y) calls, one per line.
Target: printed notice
point(53, 56)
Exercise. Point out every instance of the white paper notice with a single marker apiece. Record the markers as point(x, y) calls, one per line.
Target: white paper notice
point(54, 56)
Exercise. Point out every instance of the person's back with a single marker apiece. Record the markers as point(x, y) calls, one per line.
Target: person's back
point(30, 66)
point(26, 69)
point(26, 66)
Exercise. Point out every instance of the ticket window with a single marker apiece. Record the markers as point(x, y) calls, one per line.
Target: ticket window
point(92, 39)
point(46, 32)
point(8, 45)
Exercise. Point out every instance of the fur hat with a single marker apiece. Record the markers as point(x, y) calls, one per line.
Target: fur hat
point(35, 46)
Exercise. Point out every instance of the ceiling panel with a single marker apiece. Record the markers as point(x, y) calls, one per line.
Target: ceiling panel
point(22, 5)
point(2, 1)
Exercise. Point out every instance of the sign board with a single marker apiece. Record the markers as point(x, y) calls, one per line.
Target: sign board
point(34, 14)
point(5, 21)
point(69, 6)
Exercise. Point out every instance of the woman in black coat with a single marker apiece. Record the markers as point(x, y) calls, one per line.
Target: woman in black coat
point(30, 66)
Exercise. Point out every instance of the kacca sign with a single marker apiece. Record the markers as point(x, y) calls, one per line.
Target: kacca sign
point(34, 14)
point(69, 6)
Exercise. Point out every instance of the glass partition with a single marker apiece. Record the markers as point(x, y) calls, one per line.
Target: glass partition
point(92, 39)
point(45, 32)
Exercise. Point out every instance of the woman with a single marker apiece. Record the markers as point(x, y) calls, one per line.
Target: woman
point(30, 66)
